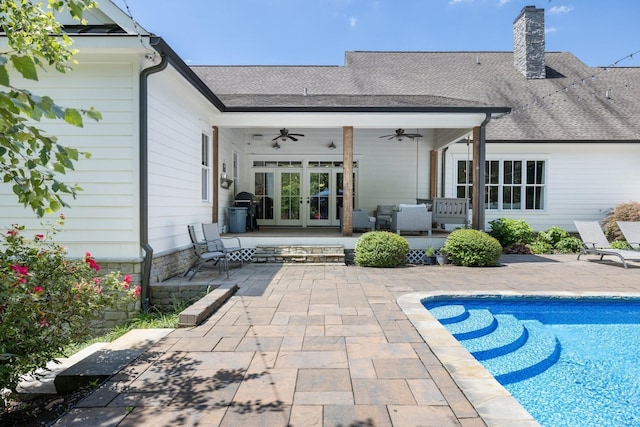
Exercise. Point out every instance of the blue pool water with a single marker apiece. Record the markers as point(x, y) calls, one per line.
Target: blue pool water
point(569, 362)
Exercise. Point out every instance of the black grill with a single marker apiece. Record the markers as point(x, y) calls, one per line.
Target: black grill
point(248, 200)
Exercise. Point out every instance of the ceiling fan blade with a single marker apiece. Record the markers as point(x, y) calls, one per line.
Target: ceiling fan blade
point(277, 138)
point(296, 134)
point(386, 136)
point(292, 138)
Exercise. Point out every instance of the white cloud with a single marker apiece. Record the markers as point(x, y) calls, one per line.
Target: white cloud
point(550, 30)
point(556, 10)
point(503, 2)
point(459, 1)
point(353, 21)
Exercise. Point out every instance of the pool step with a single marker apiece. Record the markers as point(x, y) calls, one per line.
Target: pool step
point(539, 353)
point(510, 349)
point(509, 336)
point(477, 324)
point(450, 313)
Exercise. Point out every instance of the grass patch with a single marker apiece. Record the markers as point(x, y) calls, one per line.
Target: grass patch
point(150, 320)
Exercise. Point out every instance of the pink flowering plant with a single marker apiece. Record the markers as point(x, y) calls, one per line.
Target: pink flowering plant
point(48, 301)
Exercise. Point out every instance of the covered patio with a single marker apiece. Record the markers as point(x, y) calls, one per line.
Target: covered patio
point(365, 170)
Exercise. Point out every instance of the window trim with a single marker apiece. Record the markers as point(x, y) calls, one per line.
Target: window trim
point(205, 167)
point(524, 186)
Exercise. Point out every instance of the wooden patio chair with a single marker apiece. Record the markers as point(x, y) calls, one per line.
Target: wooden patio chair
point(204, 255)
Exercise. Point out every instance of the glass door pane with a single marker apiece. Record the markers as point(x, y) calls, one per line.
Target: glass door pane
point(290, 198)
point(264, 190)
point(319, 198)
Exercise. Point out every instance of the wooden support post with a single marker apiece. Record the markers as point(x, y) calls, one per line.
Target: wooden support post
point(347, 180)
point(433, 175)
point(214, 172)
point(478, 195)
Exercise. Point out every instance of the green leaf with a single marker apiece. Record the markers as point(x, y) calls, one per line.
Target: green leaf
point(72, 116)
point(4, 75)
point(25, 66)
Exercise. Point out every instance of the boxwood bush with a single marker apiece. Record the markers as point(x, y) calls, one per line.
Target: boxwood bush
point(510, 231)
point(381, 249)
point(472, 248)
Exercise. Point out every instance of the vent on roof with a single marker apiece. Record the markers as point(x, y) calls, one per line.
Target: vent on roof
point(528, 43)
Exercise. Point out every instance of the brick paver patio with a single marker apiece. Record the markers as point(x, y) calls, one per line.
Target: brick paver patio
point(325, 346)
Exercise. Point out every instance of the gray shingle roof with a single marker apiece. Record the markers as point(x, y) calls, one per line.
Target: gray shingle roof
point(571, 104)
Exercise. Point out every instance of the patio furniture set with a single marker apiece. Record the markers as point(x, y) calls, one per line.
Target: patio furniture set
point(419, 217)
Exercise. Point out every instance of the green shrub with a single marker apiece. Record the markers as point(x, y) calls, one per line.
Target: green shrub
point(472, 248)
point(541, 247)
point(381, 249)
point(509, 231)
point(553, 235)
point(623, 212)
point(620, 244)
point(48, 301)
point(568, 245)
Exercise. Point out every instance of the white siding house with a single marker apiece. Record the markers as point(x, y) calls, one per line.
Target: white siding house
point(170, 131)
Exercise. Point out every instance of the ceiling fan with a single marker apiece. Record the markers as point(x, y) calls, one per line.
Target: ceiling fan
point(284, 134)
point(400, 135)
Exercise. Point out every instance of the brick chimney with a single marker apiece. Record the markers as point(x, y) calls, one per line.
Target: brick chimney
point(528, 43)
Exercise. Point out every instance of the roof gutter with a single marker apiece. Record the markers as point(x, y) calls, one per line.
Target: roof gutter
point(144, 179)
point(185, 71)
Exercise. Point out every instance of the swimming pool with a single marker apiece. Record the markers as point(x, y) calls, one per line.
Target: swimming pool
point(569, 362)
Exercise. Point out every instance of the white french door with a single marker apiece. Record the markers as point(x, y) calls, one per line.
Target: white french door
point(305, 196)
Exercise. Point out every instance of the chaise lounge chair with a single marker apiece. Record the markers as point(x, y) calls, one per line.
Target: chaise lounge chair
point(631, 232)
point(594, 242)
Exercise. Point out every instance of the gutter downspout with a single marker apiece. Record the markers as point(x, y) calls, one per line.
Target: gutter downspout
point(144, 180)
point(479, 157)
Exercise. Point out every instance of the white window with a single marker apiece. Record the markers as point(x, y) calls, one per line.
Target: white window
point(509, 184)
point(206, 168)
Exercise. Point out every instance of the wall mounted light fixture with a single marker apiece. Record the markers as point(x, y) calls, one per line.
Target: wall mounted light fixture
point(276, 146)
point(332, 146)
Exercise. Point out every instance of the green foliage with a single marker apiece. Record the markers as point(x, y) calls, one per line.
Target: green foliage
point(620, 244)
point(381, 249)
point(623, 212)
point(30, 160)
point(48, 301)
point(553, 235)
point(472, 248)
point(509, 231)
point(568, 245)
point(540, 247)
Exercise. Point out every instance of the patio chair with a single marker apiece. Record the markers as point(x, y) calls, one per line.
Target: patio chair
point(360, 220)
point(594, 242)
point(231, 246)
point(411, 218)
point(631, 232)
point(204, 255)
point(383, 216)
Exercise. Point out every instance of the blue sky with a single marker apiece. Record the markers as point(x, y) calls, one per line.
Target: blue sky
point(318, 32)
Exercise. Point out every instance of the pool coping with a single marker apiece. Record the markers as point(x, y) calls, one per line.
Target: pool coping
point(494, 404)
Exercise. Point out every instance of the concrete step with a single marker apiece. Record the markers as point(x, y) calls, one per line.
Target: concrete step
point(41, 382)
point(108, 360)
point(299, 254)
